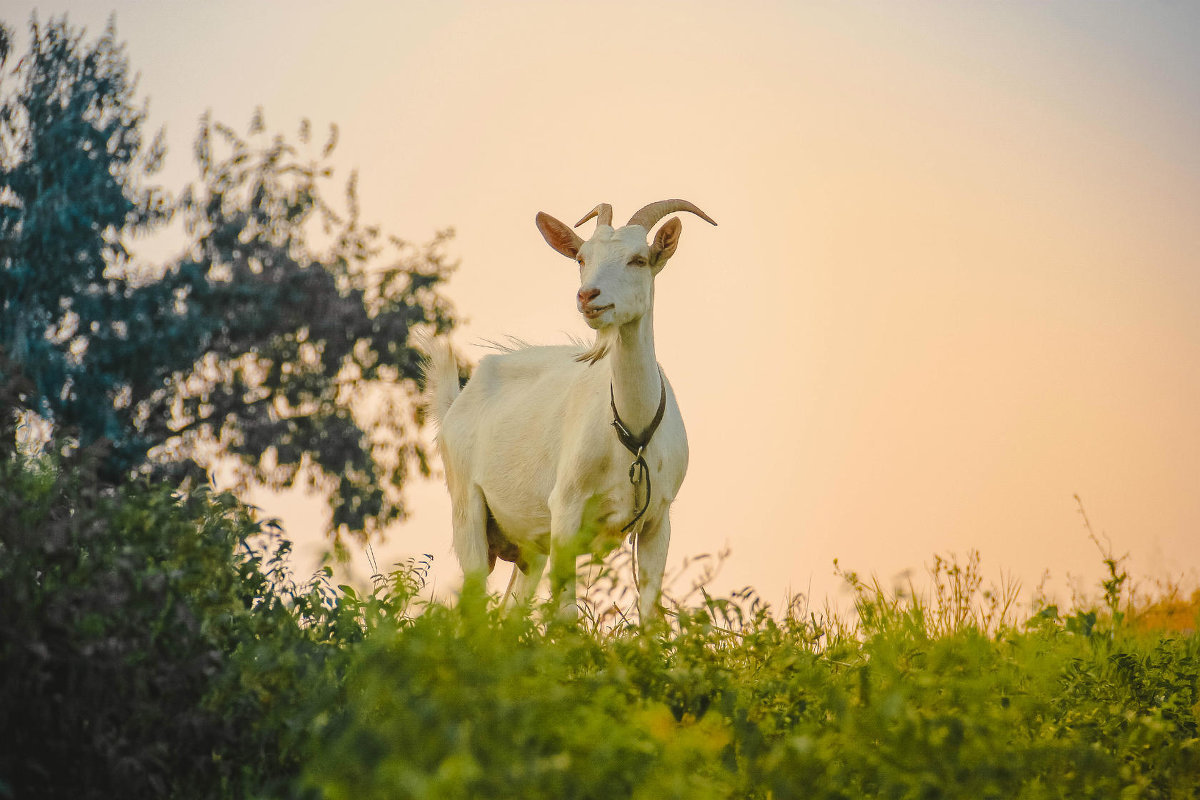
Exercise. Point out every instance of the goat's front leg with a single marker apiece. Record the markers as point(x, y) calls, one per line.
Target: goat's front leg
point(652, 545)
point(566, 517)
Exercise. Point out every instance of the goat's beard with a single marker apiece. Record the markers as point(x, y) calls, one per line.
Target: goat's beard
point(599, 348)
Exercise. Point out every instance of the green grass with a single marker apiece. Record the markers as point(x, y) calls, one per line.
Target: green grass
point(946, 695)
point(160, 645)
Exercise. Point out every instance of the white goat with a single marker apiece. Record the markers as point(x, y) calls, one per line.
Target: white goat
point(541, 447)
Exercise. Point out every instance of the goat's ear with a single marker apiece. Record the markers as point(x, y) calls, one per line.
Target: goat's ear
point(558, 235)
point(665, 242)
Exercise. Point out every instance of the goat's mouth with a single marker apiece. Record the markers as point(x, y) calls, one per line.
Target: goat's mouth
point(594, 312)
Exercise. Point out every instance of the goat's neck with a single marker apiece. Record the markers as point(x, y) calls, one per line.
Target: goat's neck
point(636, 381)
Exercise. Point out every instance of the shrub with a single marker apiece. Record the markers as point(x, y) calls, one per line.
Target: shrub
point(146, 648)
point(157, 643)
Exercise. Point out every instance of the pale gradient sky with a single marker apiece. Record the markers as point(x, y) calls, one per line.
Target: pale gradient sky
point(955, 280)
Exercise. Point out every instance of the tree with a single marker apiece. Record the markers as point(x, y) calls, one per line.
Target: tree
point(72, 167)
point(301, 347)
point(281, 338)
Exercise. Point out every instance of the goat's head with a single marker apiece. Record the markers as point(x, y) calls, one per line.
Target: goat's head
point(617, 266)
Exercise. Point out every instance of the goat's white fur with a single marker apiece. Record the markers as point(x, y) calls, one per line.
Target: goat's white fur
point(529, 440)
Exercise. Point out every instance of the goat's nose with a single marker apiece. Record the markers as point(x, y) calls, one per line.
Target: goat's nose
point(588, 295)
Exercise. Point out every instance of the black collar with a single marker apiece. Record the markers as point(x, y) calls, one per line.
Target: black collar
point(638, 471)
point(635, 444)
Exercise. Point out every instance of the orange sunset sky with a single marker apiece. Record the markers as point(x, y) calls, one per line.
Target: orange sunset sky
point(956, 279)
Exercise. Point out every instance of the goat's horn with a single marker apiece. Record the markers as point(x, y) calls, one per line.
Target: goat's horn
point(649, 215)
point(602, 212)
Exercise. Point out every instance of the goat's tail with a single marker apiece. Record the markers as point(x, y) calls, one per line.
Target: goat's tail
point(441, 379)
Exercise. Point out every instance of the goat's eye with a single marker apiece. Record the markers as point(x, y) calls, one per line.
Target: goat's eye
point(637, 261)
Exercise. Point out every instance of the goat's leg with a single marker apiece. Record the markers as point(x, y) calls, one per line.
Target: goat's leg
point(566, 515)
point(652, 545)
point(525, 583)
point(470, 531)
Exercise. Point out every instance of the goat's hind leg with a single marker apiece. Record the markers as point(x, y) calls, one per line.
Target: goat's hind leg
point(470, 531)
point(524, 584)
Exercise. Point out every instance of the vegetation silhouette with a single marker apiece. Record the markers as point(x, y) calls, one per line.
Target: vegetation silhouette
point(278, 341)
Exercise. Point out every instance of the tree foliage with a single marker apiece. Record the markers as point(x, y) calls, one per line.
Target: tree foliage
point(301, 349)
point(280, 338)
point(73, 166)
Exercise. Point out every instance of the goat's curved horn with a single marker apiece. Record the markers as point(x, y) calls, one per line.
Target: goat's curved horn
point(649, 215)
point(603, 214)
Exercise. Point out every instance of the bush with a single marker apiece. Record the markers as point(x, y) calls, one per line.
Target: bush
point(465, 703)
point(156, 643)
point(148, 648)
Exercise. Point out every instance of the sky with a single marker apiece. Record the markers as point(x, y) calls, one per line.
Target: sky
point(955, 281)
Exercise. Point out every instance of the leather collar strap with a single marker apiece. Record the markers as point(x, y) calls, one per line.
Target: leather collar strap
point(636, 445)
